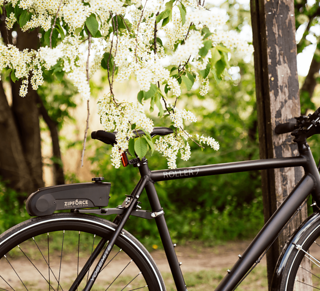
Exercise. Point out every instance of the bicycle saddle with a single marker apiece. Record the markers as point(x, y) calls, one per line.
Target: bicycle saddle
point(110, 137)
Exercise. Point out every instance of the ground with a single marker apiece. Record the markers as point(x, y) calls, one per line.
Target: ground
point(203, 267)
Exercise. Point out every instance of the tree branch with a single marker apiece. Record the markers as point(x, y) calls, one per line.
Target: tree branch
point(88, 103)
point(135, 51)
point(54, 23)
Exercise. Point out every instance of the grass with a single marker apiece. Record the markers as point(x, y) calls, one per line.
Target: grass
point(209, 280)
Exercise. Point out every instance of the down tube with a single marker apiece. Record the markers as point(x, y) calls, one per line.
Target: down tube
point(268, 233)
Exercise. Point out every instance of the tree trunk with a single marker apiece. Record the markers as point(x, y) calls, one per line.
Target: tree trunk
point(277, 88)
point(20, 146)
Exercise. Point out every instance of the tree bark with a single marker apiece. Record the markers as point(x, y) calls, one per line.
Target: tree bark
point(26, 114)
point(277, 88)
point(13, 166)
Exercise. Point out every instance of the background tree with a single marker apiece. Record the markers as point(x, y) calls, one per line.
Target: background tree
point(20, 143)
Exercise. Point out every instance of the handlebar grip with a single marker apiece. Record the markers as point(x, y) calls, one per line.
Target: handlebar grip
point(285, 127)
point(106, 137)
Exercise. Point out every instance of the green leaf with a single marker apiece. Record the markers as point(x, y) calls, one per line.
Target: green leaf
point(18, 11)
point(223, 49)
point(215, 56)
point(24, 18)
point(206, 32)
point(152, 105)
point(59, 75)
point(204, 73)
point(159, 105)
point(47, 37)
point(220, 66)
point(165, 21)
point(205, 49)
point(13, 77)
point(61, 31)
point(152, 91)
point(140, 96)
point(183, 13)
point(167, 89)
point(187, 81)
point(169, 5)
point(92, 24)
point(191, 78)
point(150, 143)
point(159, 41)
point(140, 147)
point(104, 62)
point(131, 147)
point(164, 14)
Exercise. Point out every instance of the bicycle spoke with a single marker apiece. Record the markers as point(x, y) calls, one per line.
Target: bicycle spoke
point(35, 267)
point(118, 275)
point(90, 255)
point(16, 273)
point(308, 285)
point(111, 259)
point(309, 272)
point(78, 256)
point(130, 282)
point(61, 260)
point(139, 288)
point(45, 260)
point(6, 283)
point(48, 260)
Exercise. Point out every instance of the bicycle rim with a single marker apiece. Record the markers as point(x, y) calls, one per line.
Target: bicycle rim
point(48, 253)
point(304, 271)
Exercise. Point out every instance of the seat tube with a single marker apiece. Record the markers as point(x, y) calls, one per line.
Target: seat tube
point(163, 231)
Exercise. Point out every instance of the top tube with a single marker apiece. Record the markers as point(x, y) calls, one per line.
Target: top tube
point(208, 170)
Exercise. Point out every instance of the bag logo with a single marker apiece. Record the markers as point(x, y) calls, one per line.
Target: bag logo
point(76, 203)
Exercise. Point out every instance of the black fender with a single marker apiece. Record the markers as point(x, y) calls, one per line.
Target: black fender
point(280, 273)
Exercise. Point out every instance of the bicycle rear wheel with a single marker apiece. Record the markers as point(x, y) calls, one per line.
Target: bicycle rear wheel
point(47, 253)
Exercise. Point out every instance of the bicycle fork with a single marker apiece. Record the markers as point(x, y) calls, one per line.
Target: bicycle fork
point(135, 196)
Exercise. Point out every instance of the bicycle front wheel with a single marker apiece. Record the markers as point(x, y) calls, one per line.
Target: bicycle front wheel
point(301, 271)
point(47, 253)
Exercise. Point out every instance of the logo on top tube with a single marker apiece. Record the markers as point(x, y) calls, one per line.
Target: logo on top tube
point(181, 173)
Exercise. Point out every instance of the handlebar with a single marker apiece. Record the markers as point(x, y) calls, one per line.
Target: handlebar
point(286, 127)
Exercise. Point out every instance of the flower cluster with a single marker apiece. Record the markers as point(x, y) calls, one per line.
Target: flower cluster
point(166, 45)
point(121, 117)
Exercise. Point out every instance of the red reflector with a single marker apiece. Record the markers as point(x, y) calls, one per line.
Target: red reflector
point(124, 159)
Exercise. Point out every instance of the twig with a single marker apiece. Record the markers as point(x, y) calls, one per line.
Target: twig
point(135, 51)
point(155, 37)
point(4, 19)
point(108, 66)
point(88, 103)
point(125, 23)
point(115, 53)
point(54, 23)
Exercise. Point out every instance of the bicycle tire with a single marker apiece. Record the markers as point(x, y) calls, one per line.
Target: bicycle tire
point(26, 243)
point(302, 268)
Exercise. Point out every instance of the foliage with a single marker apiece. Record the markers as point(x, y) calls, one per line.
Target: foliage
point(11, 212)
point(164, 44)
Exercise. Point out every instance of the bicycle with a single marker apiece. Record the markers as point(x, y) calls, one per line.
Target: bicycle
point(36, 234)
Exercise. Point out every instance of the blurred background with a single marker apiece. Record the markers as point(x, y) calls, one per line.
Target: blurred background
point(41, 142)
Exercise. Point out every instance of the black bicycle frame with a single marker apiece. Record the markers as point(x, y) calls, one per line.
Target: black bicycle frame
point(310, 183)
